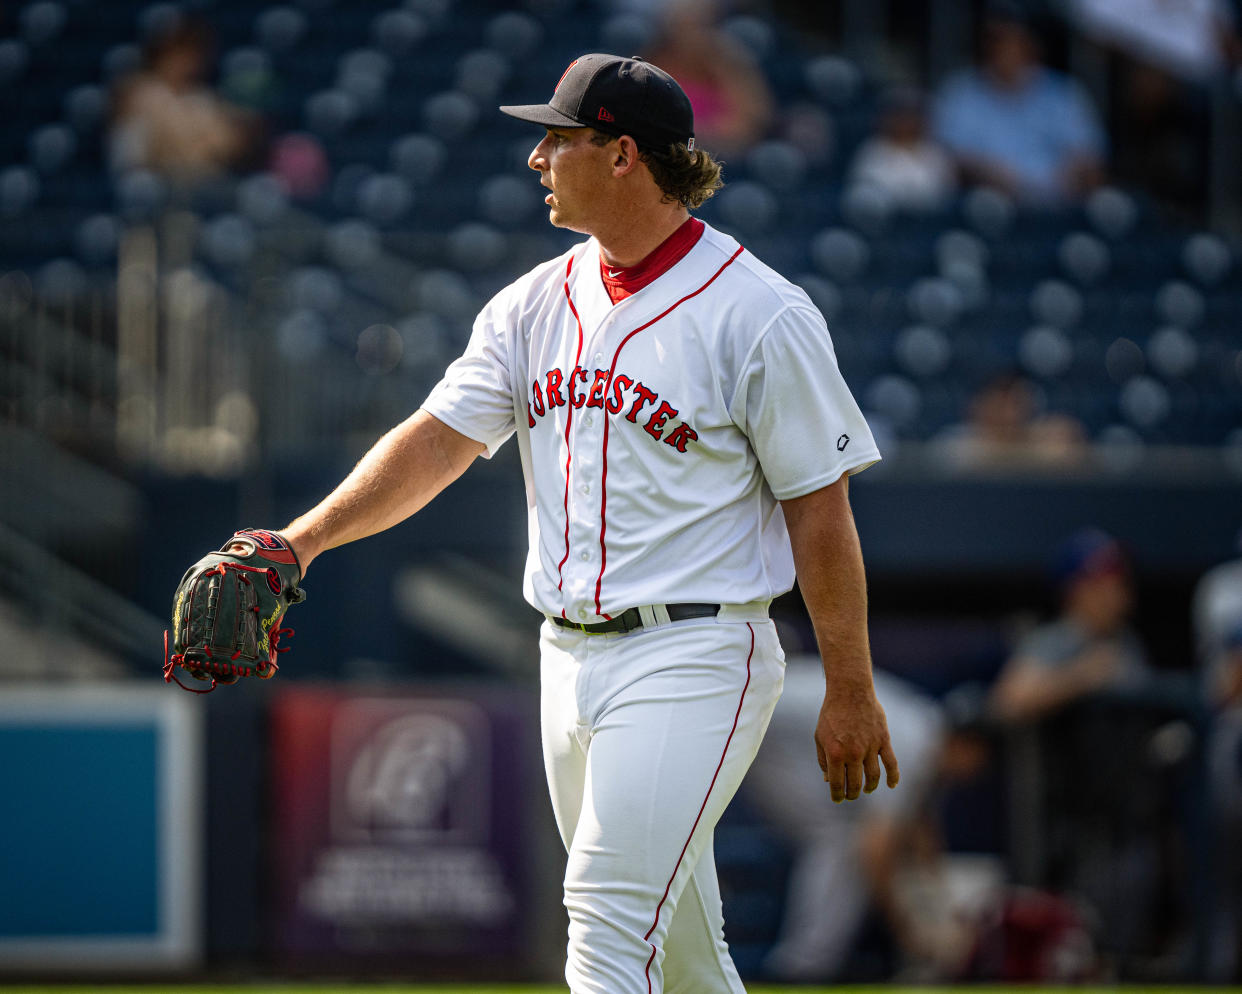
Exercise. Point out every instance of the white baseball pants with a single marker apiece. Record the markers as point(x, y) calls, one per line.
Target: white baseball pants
point(646, 738)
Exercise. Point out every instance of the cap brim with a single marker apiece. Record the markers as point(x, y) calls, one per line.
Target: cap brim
point(541, 114)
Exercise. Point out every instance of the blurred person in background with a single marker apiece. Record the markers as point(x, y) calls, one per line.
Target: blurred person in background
point(900, 160)
point(1163, 58)
point(733, 105)
point(1088, 648)
point(883, 865)
point(1004, 426)
point(1217, 616)
point(1194, 40)
point(1015, 125)
point(167, 119)
point(844, 860)
point(1101, 759)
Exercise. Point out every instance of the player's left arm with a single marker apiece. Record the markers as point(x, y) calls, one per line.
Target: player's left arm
point(851, 736)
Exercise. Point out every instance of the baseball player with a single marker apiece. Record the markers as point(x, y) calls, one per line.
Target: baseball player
point(686, 440)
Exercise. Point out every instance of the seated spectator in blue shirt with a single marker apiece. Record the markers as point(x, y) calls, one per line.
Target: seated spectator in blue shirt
point(1016, 125)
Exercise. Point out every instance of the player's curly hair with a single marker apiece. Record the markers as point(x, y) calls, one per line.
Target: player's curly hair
point(685, 176)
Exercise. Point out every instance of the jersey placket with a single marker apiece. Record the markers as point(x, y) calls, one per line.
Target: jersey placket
point(585, 483)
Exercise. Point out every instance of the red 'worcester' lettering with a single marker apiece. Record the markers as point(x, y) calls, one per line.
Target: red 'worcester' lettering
point(655, 424)
point(554, 389)
point(577, 399)
point(612, 393)
point(644, 396)
point(596, 397)
point(680, 436)
point(619, 382)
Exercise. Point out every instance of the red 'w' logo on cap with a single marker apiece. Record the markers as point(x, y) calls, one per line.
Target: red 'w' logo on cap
point(604, 115)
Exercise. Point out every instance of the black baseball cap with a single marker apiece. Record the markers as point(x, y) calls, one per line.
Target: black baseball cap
point(618, 96)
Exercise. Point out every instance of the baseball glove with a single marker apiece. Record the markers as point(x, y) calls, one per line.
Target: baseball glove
point(227, 611)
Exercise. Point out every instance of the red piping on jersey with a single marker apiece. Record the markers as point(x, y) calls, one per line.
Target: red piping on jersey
point(569, 420)
point(603, 483)
point(702, 807)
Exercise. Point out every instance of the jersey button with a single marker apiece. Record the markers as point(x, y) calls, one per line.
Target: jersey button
point(586, 556)
point(582, 612)
point(586, 488)
point(599, 357)
point(589, 420)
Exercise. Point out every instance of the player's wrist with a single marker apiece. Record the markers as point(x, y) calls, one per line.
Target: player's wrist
point(848, 682)
point(302, 544)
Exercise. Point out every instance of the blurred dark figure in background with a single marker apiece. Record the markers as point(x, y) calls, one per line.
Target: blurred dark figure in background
point(1100, 752)
point(901, 161)
point(165, 118)
point(883, 865)
point(1163, 58)
point(1218, 636)
point(1088, 647)
point(844, 860)
point(1004, 426)
point(733, 106)
point(1017, 126)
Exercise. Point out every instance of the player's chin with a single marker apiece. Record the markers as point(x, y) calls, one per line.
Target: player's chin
point(563, 219)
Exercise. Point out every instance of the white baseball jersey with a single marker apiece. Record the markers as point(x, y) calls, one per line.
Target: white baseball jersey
point(657, 434)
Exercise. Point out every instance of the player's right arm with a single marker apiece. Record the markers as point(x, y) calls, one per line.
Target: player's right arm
point(401, 473)
point(470, 412)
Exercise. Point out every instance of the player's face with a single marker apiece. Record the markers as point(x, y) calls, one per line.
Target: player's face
point(576, 170)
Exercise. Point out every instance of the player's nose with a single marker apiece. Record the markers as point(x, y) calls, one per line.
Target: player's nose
point(537, 159)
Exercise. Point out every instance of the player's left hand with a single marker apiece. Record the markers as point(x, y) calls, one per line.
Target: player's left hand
point(851, 741)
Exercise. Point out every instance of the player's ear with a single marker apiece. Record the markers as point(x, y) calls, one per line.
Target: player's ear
point(626, 156)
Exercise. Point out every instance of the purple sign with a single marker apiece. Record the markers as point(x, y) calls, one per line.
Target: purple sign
point(401, 827)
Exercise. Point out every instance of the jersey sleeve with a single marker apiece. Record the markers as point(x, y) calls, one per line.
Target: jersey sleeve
point(794, 406)
point(475, 395)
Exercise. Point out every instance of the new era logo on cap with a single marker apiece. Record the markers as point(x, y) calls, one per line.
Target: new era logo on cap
point(618, 96)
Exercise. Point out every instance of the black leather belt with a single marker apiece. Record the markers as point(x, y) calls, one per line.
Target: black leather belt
point(631, 620)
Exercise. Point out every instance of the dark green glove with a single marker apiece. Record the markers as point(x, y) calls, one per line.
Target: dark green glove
point(227, 611)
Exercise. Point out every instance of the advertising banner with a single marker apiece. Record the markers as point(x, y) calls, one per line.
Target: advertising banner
point(401, 826)
point(101, 793)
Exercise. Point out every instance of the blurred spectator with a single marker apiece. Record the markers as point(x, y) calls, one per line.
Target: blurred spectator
point(1101, 752)
point(1163, 57)
point(1218, 635)
point(1004, 427)
point(880, 856)
point(166, 119)
point(1088, 648)
point(901, 161)
point(1013, 124)
point(1191, 39)
point(731, 99)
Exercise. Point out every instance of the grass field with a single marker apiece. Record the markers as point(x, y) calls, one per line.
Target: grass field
point(380, 988)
